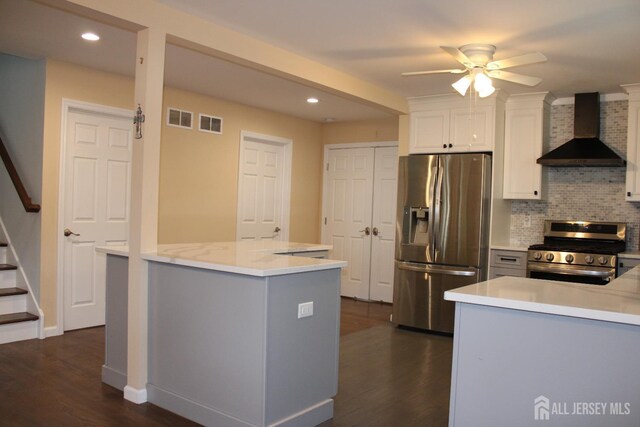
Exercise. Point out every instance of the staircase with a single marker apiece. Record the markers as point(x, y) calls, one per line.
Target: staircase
point(16, 322)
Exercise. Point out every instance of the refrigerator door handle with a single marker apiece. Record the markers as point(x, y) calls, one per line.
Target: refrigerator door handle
point(437, 199)
point(436, 269)
point(431, 235)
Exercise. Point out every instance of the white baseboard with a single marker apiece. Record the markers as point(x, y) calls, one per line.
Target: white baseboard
point(52, 331)
point(135, 395)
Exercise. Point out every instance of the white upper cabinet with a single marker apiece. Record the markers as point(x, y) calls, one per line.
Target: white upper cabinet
point(472, 129)
point(526, 133)
point(632, 190)
point(452, 124)
point(429, 131)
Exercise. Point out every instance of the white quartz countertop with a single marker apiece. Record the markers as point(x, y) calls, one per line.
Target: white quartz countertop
point(630, 254)
point(250, 257)
point(120, 250)
point(510, 248)
point(619, 301)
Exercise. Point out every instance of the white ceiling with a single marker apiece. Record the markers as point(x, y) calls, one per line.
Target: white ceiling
point(590, 45)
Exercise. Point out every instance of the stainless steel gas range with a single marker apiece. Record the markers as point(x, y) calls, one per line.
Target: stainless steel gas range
point(577, 251)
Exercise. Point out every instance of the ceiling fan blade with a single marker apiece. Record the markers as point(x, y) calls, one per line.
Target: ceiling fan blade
point(419, 73)
point(513, 77)
point(458, 55)
point(529, 58)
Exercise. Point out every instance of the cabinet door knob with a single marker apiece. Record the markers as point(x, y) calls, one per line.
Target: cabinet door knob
point(535, 193)
point(450, 145)
point(444, 145)
point(628, 193)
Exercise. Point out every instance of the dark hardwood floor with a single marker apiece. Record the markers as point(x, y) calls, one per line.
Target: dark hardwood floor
point(388, 377)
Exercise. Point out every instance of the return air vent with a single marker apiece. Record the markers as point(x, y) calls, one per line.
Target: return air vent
point(211, 124)
point(179, 118)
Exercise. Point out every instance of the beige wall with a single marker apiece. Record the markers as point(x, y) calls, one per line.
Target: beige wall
point(199, 171)
point(360, 131)
point(198, 181)
point(198, 175)
point(82, 84)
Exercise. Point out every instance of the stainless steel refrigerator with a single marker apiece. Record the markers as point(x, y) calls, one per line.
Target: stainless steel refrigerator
point(441, 234)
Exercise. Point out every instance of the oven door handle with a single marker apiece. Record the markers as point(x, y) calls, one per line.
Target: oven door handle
point(574, 270)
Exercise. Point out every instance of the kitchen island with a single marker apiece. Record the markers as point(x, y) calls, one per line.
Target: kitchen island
point(240, 333)
point(530, 351)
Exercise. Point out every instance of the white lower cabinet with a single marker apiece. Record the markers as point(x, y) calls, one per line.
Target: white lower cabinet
point(507, 263)
point(626, 264)
point(526, 134)
point(360, 218)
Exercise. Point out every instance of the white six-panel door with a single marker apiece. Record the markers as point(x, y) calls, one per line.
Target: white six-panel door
point(350, 192)
point(385, 187)
point(263, 182)
point(361, 196)
point(96, 207)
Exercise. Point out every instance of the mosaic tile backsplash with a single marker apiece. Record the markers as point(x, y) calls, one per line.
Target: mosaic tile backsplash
point(580, 193)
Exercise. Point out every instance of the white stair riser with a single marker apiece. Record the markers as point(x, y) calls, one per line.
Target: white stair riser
point(18, 331)
point(3, 254)
point(13, 304)
point(7, 278)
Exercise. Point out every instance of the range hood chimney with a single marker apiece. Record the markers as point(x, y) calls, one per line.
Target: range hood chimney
point(585, 149)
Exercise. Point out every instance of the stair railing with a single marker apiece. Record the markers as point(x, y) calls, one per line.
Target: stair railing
point(29, 206)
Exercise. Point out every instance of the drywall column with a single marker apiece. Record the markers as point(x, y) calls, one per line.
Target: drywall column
point(143, 232)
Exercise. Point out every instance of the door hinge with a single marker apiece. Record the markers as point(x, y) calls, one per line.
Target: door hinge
point(325, 220)
point(327, 167)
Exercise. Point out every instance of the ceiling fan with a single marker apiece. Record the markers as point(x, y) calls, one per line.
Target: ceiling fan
point(478, 61)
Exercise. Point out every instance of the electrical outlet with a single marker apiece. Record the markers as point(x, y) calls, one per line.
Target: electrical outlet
point(305, 309)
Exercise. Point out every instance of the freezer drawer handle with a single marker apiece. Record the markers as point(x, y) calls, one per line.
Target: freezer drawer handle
point(435, 270)
point(502, 258)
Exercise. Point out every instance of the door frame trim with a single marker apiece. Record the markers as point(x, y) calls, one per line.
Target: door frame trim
point(325, 159)
point(69, 105)
point(287, 144)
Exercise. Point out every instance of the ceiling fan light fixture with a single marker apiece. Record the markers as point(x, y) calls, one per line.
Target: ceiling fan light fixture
point(486, 92)
point(482, 83)
point(463, 84)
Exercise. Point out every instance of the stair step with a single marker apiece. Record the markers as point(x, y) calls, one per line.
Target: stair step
point(17, 317)
point(7, 292)
point(7, 267)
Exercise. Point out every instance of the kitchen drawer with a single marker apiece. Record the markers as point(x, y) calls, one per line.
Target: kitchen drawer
point(626, 264)
point(495, 272)
point(508, 259)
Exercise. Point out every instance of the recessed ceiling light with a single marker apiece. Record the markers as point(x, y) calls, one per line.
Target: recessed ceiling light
point(329, 119)
point(91, 37)
point(312, 100)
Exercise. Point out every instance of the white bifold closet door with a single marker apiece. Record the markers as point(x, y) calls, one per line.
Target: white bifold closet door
point(360, 217)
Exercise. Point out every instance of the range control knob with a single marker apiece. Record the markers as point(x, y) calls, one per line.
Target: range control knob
point(603, 260)
point(537, 256)
point(549, 257)
point(588, 259)
point(569, 258)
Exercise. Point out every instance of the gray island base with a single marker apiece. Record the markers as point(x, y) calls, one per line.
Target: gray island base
point(229, 344)
point(229, 350)
point(530, 352)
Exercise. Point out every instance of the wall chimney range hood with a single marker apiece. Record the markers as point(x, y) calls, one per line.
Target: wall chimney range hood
point(585, 149)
